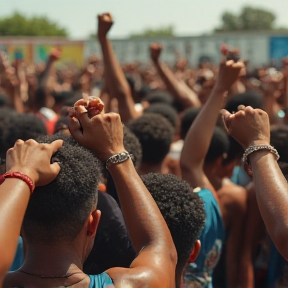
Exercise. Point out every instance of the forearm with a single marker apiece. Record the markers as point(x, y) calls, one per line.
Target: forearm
point(271, 192)
point(14, 197)
point(143, 219)
point(200, 133)
point(174, 86)
point(43, 79)
point(116, 81)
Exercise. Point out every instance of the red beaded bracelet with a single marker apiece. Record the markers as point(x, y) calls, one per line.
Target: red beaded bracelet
point(20, 176)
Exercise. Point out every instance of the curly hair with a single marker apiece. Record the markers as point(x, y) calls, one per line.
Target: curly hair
point(165, 110)
point(21, 126)
point(155, 134)
point(132, 145)
point(59, 209)
point(182, 210)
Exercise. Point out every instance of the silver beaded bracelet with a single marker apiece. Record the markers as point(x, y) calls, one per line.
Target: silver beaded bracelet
point(119, 158)
point(251, 149)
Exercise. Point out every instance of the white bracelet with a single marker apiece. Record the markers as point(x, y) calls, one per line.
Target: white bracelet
point(118, 158)
point(251, 149)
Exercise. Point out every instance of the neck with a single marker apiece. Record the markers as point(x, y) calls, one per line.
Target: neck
point(52, 259)
point(146, 168)
point(178, 279)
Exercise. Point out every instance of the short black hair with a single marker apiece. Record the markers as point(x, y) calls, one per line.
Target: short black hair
point(159, 96)
point(182, 210)
point(21, 126)
point(279, 139)
point(219, 145)
point(132, 145)
point(155, 134)
point(164, 110)
point(60, 209)
point(187, 119)
point(248, 98)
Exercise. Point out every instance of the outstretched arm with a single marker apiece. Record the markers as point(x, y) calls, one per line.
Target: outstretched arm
point(33, 160)
point(117, 84)
point(200, 133)
point(156, 262)
point(251, 127)
point(181, 92)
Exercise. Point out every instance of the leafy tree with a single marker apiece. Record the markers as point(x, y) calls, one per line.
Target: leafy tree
point(249, 19)
point(160, 32)
point(19, 25)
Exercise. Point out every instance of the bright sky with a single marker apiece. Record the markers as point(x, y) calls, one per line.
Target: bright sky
point(189, 17)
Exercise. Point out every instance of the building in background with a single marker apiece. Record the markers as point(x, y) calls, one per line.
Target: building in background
point(37, 49)
point(259, 47)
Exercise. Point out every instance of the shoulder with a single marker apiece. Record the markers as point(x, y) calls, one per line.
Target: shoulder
point(100, 280)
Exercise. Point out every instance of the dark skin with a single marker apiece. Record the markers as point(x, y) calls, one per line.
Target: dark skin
point(33, 160)
point(115, 80)
point(182, 93)
point(251, 127)
point(143, 219)
point(197, 174)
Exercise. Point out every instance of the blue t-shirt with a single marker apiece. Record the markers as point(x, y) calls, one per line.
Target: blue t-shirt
point(19, 256)
point(100, 280)
point(212, 237)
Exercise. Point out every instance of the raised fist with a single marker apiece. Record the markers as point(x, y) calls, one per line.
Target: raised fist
point(155, 51)
point(105, 22)
point(55, 54)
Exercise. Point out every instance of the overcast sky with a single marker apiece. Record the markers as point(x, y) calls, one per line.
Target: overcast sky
point(189, 17)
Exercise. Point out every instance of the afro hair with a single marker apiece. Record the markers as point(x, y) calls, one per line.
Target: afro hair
point(59, 209)
point(182, 210)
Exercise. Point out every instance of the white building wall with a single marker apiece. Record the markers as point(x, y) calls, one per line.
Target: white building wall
point(254, 47)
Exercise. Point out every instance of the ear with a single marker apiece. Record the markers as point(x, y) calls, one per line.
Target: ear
point(195, 251)
point(93, 222)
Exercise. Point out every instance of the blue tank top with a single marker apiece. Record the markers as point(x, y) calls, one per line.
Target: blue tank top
point(100, 280)
point(212, 237)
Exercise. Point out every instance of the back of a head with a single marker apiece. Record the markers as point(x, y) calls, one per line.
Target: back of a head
point(159, 96)
point(59, 210)
point(165, 110)
point(279, 139)
point(249, 98)
point(219, 145)
point(182, 210)
point(188, 118)
point(132, 145)
point(155, 135)
point(22, 126)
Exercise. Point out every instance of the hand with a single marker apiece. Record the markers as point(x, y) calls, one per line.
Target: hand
point(248, 126)
point(105, 22)
point(229, 72)
point(55, 54)
point(102, 134)
point(33, 159)
point(155, 51)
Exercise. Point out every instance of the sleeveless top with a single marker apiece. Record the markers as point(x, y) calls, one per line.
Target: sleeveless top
point(199, 273)
point(100, 280)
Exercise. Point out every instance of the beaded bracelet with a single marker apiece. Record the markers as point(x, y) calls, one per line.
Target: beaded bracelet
point(250, 150)
point(20, 176)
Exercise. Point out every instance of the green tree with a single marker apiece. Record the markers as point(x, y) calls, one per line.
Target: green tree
point(159, 32)
point(250, 18)
point(19, 25)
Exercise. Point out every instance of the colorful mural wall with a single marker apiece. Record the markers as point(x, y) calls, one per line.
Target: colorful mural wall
point(37, 50)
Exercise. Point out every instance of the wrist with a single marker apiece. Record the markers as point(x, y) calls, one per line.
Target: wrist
point(257, 143)
point(28, 172)
point(219, 90)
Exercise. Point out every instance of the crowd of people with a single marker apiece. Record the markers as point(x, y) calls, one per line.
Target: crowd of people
point(142, 174)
